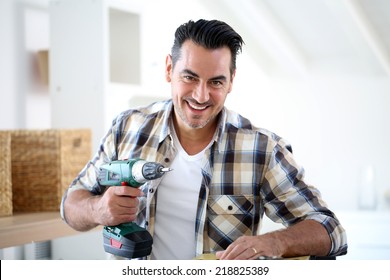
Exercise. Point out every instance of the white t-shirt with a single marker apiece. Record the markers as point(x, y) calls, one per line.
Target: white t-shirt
point(177, 201)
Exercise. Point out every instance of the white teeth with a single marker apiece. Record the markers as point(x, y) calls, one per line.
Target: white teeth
point(196, 107)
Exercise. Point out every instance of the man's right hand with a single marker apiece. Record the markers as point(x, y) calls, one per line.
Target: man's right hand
point(84, 211)
point(118, 205)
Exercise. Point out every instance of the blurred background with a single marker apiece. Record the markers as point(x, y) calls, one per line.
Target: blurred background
point(316, 72)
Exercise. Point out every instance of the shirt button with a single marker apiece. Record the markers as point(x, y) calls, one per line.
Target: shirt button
point(166, 160)
point(230, 208)
point(151, 190)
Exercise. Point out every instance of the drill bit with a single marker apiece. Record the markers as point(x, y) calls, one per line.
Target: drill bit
point(165, 169)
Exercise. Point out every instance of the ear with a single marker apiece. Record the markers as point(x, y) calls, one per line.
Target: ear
point(231, 81)
point(168, 68)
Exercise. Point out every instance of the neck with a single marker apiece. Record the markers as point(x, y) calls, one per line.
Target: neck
point(194, 140)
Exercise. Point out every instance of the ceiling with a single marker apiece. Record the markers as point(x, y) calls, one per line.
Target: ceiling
point(316, 37)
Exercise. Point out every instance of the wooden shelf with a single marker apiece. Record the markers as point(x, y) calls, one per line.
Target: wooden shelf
point(20, 229)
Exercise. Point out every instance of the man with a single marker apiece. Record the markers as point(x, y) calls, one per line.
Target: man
point(226, 172)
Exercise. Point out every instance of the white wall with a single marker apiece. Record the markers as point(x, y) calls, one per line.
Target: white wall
point(8, 117)
point(24, 30)
point(338, 126)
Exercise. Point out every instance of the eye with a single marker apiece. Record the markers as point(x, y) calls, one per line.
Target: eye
point(216, 83)
point(189, 78)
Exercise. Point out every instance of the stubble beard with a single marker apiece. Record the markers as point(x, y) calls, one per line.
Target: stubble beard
point(196, 123)
point(192, 124)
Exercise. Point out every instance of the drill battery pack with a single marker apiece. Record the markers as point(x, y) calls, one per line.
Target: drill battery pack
point(127, 240)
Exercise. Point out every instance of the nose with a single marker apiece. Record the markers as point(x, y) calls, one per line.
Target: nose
point(201, 93)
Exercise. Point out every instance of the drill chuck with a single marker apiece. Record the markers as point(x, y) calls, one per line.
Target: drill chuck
point(145, 170)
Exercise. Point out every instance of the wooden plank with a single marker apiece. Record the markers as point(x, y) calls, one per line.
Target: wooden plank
point(20, 229)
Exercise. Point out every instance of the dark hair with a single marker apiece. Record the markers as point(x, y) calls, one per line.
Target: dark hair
point(210, 34)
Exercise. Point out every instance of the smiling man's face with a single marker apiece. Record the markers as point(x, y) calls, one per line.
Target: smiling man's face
point(200, 82)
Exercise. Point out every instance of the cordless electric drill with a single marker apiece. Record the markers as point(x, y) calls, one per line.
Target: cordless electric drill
point(128, 240)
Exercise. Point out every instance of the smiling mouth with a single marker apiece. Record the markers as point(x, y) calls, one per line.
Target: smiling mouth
point(197, 107)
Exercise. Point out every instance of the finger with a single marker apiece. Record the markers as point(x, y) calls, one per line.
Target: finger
point(128, 191)
point(233, 252)
point(128, 202)
point(254, 253)
point(222, 255)
point(243, 254)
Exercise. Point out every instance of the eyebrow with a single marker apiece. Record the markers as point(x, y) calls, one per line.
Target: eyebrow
point(217, 78)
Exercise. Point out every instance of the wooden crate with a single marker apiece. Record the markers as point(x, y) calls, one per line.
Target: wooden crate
point(44, 163)
point(5, 174)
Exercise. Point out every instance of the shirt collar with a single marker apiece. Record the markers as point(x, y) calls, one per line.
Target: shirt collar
point(167, 112)
point(222, 119)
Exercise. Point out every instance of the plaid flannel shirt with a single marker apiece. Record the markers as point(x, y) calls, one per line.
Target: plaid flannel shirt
point(247, 172)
